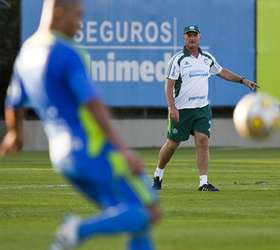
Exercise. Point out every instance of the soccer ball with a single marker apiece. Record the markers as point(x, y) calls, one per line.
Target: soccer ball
point(256, 116)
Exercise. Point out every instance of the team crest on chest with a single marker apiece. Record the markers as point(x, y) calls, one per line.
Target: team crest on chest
point(207, 61)
point(175, 131)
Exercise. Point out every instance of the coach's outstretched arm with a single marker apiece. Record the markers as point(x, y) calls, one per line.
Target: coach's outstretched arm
point(233, 77)
point(13, 140)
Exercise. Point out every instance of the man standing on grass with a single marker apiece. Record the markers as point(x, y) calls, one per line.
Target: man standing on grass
point(50, 76)
point(188, 105)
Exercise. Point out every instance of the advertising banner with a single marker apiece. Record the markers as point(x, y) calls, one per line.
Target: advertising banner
point(129, 43)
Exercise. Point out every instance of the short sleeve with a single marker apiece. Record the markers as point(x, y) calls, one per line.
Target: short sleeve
point(215, 68)
point(173, 71)
point(78, 78)
point(16, 95)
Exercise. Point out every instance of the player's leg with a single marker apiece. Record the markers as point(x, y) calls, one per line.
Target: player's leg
point(165, 154)
point(133, 221)
point(128, 203)
point(123, 214)
point(202, 154)
point(140, 241)
point(134, 213)
point(202, 128)
point(121, 218)
point(176, 132)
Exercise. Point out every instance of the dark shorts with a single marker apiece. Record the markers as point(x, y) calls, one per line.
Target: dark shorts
point(191, 120)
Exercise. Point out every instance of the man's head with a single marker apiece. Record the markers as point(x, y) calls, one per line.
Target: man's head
point(192, 36)
point(62, 15)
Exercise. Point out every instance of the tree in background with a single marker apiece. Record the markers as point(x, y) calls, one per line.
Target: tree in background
point(9, 42)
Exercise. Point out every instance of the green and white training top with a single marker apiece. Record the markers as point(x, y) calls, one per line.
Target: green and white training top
point(191, 75)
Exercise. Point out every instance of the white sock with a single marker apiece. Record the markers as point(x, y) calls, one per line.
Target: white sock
point(203, 179)
point(159, 173)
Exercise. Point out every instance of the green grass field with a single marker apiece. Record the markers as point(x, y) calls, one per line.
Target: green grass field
point(244, 215)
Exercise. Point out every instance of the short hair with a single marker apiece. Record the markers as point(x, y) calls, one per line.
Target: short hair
point(49, 5)
point(65, 3)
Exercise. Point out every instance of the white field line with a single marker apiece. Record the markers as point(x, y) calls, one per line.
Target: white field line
point(49, 186)
point(231, 161)
point(25, 169)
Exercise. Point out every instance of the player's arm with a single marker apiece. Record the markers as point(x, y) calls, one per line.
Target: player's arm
point(233, 77)
point(173, 112)
point(103, 118)
point(16, 99)
point(13, 139)
point(85, 93)
point(173, 74)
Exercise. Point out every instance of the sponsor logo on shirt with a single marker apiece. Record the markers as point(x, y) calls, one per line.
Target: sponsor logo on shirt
point(192, 98)
point(198, 73)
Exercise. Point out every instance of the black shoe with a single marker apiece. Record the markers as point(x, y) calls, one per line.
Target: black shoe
point(208, 187)
point(157, 183)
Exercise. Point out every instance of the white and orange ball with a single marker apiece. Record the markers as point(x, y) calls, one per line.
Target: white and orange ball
point(257, 116)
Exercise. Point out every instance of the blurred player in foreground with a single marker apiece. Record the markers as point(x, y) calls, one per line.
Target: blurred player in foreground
point(50, 76)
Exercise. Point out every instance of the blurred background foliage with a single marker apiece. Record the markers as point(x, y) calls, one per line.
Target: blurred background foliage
point(9, 42)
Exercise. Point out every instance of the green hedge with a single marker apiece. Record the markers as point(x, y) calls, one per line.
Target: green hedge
point(268, 46)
